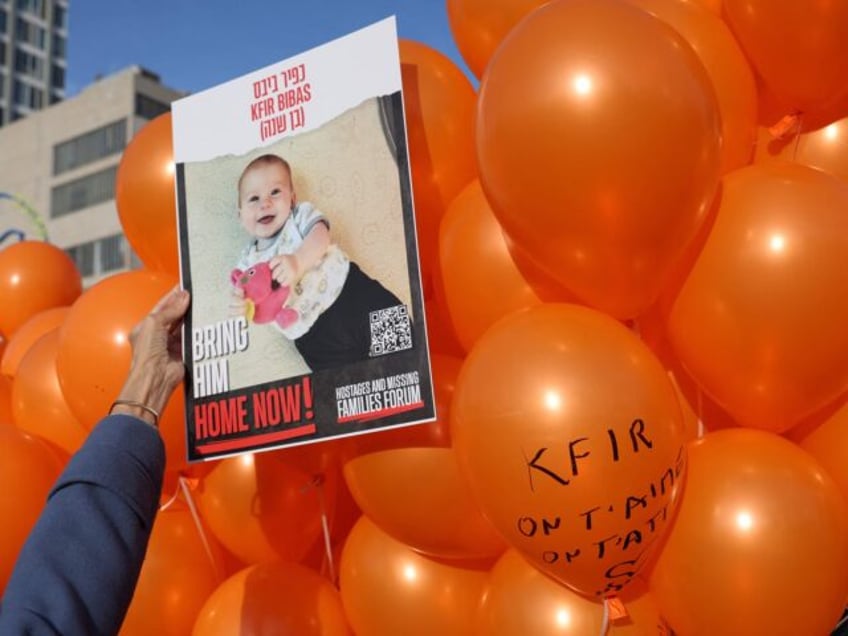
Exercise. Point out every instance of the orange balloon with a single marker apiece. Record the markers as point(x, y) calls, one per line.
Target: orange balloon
point(439, 109)
point(177, 576)
point(441, 334)
point(761, 527)
point(800, 49)
point(40, 324)
point(693, 425)
point(481, 282)
point(28, 470)
point(700, 412)
point(824, 148)
point(94, 352)
point(344, 515)
point(545, 286)
point(6, 401)
point(710, 5)
point(760, 321)
point(145, 197)
point(520, 600)
point(316, 459)
point(273, 598)
point(785, 121)
point(418, 497)
point(732, 77)
point(828, 443)
point(570, 435)
point(262, 508)
point(191, 474)
point(34, 277)
point(38, 405)
point(589, 164)
point(388, 588)
point(479, 26)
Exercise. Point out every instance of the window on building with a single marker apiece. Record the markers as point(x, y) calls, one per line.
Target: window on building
point(83, 257)
point(2, 116)
point(35, 7)
point(2, 19)
point(103, 256)
point(2, 53)
point(57, 76)
point(114, 253)
point(29, 64)
point(91, 146)
point(82, 193)
point(56, 97)
point(60, 17)
point(58, 46)
point(30, 33)
point(148, 107)
point(27, 95)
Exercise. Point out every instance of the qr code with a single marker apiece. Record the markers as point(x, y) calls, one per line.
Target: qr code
point(391, 330)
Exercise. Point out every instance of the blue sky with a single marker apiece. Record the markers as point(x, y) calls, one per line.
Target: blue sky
point(195, 44)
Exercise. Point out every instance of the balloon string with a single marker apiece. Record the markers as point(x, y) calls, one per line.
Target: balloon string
point(797, 140)
point(318, 484)
point(325, 529)
point(605, 618)
point(170, 501)
point(194, 514)
point(842, 621)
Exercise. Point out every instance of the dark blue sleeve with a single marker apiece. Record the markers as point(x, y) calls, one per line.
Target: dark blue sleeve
point(78, 568)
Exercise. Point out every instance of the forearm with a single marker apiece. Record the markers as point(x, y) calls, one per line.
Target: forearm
point(77, 571)
point(142, 387)
point(313, 248)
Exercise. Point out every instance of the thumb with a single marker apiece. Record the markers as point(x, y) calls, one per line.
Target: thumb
point(172, 307)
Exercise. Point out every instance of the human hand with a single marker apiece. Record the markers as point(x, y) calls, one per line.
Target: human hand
point(157, 366)
point(285, 269)
point(238, 303)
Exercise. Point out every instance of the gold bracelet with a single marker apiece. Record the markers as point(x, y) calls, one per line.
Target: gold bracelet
point(138, 405)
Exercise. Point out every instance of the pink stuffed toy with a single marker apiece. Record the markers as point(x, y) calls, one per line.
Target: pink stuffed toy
point(266, 297)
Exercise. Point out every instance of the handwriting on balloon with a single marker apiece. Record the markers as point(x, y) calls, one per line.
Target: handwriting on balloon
point(643, 511)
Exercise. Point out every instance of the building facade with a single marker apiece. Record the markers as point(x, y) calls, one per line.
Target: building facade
point(33, 44)
point(58, 168)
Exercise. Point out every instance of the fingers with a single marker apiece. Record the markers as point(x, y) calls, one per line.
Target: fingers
point(168, 313)
point(284, 270)
point(172, 307)
point(278, 271)
point(237, 308)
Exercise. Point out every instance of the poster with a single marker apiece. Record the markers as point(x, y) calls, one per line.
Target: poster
point(297, 243)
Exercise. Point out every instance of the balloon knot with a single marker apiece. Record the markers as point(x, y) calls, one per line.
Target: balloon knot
point(316, 482)
point(787, 125)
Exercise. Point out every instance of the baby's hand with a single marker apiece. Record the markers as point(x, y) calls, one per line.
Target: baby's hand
point(238, 303)
point(285, 269)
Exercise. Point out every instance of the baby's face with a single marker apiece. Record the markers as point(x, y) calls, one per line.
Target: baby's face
point(265, 199)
